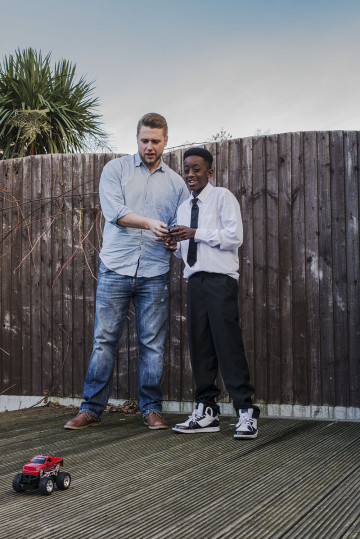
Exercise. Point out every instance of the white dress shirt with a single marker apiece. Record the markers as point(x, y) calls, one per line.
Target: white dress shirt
point(219, 233)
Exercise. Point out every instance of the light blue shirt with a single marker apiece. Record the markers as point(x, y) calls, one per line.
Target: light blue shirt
point(127, 186)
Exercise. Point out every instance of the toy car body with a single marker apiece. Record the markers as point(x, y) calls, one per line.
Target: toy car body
point(41, 472)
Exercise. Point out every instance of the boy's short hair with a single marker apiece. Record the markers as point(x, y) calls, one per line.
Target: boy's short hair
point(201, 152)
point(153, 120)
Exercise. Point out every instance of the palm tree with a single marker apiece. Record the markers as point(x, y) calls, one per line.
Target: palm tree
point(45, 110)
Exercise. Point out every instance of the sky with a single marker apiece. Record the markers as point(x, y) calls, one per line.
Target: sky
point(243, 66)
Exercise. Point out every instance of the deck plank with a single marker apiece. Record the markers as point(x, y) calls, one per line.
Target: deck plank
point(299, 478)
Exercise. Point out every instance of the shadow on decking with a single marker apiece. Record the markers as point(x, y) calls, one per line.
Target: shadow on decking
point(299, 478)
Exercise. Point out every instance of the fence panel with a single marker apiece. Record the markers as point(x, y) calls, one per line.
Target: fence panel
point(299, 292)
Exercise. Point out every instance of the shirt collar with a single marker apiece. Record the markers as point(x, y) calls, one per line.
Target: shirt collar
point(138, 163)
point(203, 195)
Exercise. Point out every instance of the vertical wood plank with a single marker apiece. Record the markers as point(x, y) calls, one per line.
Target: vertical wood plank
point(246, 280)
point(90, 253)
point(352, 199)
point(26, 270)
point(88, 257)
point(312, 266)
point(285, 268)
point(240, 184)
point(222, 180)
point(325, 272)
point(48, 211)
point(212, 148)
point(8, 220)
point(260, 238)
point(57, 261)
point(78, 268)
point(341, 343)
point(222, 166)
point(16, 292)
point(300, 380)
point(36, 300)
point(67, 276)
point(272, 273)
point(3, 352)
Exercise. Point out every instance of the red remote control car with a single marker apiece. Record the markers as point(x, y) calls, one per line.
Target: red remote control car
point(41, 472)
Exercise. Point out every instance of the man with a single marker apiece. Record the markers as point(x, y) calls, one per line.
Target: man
point(209, 248)
point(139, 197)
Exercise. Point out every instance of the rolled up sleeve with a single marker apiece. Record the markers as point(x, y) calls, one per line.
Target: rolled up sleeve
point(111, 194)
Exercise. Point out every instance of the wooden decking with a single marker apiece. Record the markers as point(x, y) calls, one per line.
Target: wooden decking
point(298, 479)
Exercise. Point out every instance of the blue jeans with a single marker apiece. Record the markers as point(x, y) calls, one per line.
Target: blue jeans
point(150, 298)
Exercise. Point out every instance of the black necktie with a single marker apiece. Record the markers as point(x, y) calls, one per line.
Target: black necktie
point(191, 257)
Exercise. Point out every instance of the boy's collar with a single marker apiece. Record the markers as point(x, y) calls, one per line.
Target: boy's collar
point(204, 193)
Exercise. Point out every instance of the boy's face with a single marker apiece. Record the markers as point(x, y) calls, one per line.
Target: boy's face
point(196, 173)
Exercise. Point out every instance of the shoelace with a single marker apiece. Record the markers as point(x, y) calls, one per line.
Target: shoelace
point(194, 416)
point(246, 422)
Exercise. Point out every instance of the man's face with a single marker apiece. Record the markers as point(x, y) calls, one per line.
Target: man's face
point(151, 144)
point(196, 173)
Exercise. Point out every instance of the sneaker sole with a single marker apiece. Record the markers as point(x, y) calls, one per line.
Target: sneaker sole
point(84, 427)
point(195, 431)
point(241, 436)
point(156, 428)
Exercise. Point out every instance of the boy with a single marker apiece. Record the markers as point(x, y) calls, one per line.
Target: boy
point(209, 248)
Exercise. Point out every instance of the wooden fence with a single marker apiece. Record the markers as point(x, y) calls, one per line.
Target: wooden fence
point(299, 271)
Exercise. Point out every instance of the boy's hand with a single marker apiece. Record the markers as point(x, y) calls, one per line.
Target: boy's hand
point(170, 243)
point(181, 232)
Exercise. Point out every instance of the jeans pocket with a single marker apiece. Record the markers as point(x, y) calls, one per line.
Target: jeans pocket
point(163, 277)
point(103, 268)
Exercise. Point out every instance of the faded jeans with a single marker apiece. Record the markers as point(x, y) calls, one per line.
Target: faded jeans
point(150, 298)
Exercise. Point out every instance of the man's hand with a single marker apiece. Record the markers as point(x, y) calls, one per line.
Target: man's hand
point(158, 228)
point(133, 220)
point(181, 232)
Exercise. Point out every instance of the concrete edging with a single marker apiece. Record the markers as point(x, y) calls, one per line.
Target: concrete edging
point(338, 413)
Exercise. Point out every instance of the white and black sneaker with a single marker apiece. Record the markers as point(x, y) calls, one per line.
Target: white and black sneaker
point(246, 426)
point(203, 419)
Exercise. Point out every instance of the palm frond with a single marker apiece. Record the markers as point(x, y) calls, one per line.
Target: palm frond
point(45, 108)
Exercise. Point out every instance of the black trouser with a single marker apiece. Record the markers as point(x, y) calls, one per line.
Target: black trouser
point(215, 340)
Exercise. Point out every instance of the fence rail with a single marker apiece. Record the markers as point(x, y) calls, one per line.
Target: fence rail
point(299, 271)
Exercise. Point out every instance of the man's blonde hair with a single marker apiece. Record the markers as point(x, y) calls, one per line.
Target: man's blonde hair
point(153, 120)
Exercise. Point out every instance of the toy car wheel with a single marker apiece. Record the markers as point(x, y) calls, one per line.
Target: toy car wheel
point(16, 484)
point(46, 485)
point(63, 480)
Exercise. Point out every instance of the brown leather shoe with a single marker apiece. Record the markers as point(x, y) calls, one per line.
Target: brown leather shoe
point(154, 420)
point(82, 421)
